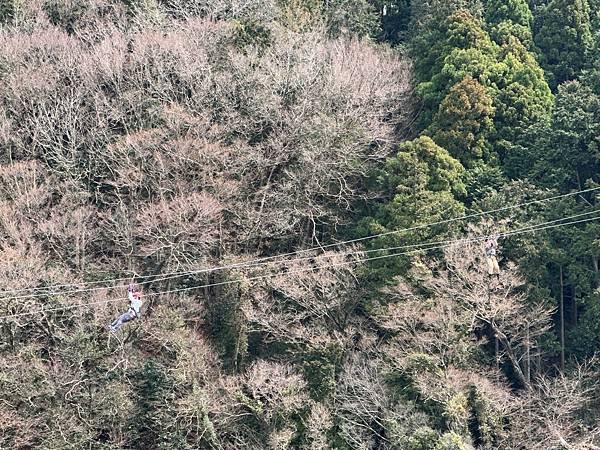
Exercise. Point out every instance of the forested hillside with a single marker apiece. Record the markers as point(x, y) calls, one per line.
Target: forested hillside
point(304, 191)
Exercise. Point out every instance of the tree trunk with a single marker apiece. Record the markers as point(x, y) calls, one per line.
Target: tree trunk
point(574, 307)
point(528, 356)
point(562, 321)
point(497, 351)
point(518, 371)
point(595, 263)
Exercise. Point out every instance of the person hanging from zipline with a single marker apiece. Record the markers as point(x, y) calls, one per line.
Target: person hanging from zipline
point(135, 308)
point(491, 248)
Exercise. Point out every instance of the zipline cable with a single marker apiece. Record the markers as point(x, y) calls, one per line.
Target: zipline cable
point(459, 241)
point(420, 246)
point(255, 264)
point(269, 258)
point(292, 272)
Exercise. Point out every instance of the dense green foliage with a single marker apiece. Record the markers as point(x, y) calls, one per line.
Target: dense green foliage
point(217, 151)
point(564, 37)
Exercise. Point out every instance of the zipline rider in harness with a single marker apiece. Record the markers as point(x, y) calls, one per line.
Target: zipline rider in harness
point(135, 298)
point(491, 248)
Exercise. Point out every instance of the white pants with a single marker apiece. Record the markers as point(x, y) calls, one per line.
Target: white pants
point(492, 264)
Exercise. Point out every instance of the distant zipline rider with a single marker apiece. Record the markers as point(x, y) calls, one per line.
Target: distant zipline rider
point(491, 249)
point(135, 308)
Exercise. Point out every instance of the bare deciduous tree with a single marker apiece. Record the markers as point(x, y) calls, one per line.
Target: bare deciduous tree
point(556, 412)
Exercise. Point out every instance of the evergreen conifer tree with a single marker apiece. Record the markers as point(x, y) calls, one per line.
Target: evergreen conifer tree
point(565, 38)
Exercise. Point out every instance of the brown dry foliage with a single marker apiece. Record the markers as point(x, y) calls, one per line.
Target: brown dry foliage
point(131, 142)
